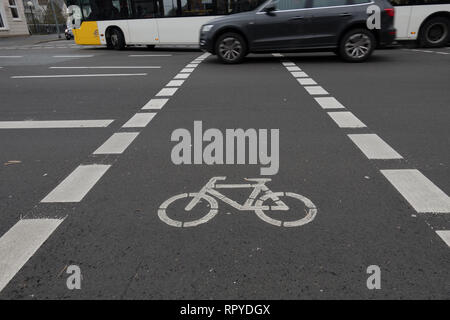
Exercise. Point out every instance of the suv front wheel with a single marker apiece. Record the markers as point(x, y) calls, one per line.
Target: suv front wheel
point(357, 45)
point(231, 48)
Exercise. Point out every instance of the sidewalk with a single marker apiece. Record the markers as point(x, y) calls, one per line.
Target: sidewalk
point(30, 40)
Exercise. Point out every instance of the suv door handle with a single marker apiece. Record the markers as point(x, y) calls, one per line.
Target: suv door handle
point(297, 18)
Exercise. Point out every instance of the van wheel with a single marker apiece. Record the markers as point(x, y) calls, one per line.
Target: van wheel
point(116, 40)
point(435, 33)
point(231, 48)
point(357, 45)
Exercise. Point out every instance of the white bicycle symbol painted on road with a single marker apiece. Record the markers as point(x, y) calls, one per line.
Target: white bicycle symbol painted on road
point(253, 203)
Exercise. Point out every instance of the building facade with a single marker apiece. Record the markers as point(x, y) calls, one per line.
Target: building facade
point(12, 18)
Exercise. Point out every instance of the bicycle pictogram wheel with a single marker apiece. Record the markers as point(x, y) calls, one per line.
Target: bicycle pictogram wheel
point(310, 210)
point(213, 209)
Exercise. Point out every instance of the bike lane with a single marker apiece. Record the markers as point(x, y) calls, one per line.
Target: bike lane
point(125, 251)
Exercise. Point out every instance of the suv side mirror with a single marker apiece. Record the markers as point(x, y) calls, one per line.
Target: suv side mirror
point(270, 9)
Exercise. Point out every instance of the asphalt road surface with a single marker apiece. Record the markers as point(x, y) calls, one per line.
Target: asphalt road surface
point(87, 178)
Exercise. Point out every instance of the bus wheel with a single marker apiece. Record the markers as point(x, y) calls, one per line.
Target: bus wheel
point(435, 32)
point(116, 39)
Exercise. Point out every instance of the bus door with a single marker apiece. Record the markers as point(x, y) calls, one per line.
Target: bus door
point(142, 27)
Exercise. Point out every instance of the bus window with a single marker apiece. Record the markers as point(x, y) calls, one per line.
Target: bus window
point(145, 9)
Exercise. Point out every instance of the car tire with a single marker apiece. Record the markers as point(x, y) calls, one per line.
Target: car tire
point(231, 48)
point(357, 45)
point(116, 40)
point(435, 33)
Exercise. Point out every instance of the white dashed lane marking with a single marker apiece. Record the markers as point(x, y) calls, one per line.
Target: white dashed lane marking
point(346, 119)
point(374, 147)
point(445, 236)
point(155, 104)
point(139, 120)
point(293, 69)
point(19, 244)
point(316, 90)
point(175, 83)
point(77, 184)
point(329, 103)
point(422, 194)
point(182, 76)
point(55, 124)
point(306, 81)
point(166, 92)
point(117, 143)
point(300, 74)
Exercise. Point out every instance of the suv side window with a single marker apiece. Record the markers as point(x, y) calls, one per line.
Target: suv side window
point(359, 1)
point(291, 4)
point(328, 3)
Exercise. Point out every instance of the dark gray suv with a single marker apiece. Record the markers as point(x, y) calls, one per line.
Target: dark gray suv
point(302, 25)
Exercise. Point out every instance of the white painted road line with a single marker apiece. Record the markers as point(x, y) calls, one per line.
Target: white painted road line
point(374, 147)
point(175, 83)
point(300, 74)
point(155, 104)
point(439, 52)
point(166, 92)
point(139, 120)
point(345, 119)
point(81, 75)
point(306, 81)
point(19, 244)
point(11, 57)
point(422, 194)
point(150, 55)
point(75, 56)
point(77, 184)
point(182, 76)
point(444, 234)
point(117, 143)
point(110, 67)
point(315, 90)
point(329, 103)
point(192, 65)
point(289, 64)
point(50, 124)
point(293, 69)
point(187, 70)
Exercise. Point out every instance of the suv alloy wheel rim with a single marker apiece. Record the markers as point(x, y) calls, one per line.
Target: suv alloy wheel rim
point(436, 32)
point(230, 48)
point(358, 45)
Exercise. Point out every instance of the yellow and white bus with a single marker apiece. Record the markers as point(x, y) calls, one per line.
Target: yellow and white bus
point(427, 21)
point(117, 23)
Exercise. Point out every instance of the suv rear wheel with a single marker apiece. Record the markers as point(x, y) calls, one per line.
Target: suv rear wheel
point(435, 32)
point(357, 45)
point(231, 48)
